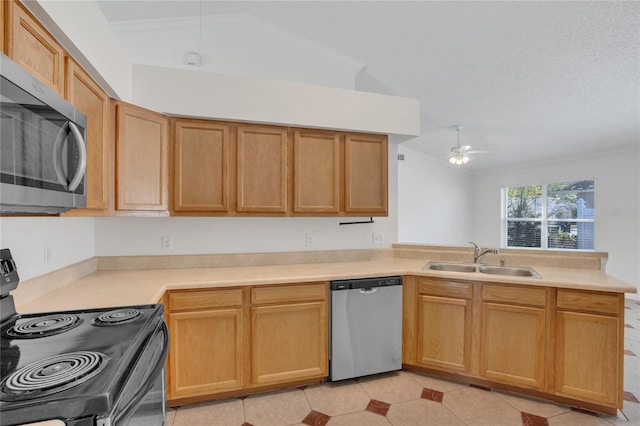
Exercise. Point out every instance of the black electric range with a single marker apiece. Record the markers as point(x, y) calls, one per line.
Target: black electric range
point(98, 367)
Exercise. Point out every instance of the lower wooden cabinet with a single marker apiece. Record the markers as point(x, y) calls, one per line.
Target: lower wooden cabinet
point(549, 342)
point(589, 359)
point(289, 333)
point(206, 352)
point(288, 342)
point(513, 345)
point(444, 325)
point(233, 340)
point(207, 342)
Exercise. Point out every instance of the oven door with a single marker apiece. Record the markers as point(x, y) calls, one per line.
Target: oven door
point(142, 400)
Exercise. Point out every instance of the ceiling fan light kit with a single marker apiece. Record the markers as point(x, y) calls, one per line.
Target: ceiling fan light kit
point(458, 155)
point(458, 159)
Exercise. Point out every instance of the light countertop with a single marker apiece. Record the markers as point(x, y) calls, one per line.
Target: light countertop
point(102, 288)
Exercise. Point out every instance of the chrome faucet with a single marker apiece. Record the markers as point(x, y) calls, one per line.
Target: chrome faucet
point(478, 253)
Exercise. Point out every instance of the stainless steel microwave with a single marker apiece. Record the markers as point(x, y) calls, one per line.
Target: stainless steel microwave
point(43, 153)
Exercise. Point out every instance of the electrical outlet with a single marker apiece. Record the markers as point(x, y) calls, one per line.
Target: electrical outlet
point(378, 238)
point(48, 255)
point(310, 240)
point(167, 242)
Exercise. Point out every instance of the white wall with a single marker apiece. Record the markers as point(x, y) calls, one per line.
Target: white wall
point(71, 240)
point(121, 236)
point(434, 200)
point(223, 43)
point(232, 97)
point(617, 192)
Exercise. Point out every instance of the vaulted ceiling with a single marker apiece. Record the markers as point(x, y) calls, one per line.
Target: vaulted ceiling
point(529, 81)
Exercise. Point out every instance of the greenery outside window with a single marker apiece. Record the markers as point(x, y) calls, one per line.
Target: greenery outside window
point(552, 215)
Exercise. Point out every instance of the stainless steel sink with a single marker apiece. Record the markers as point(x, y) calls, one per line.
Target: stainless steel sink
point(514, 271)
point(451, 267)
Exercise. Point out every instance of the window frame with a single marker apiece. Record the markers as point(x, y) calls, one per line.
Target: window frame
point(543, 220)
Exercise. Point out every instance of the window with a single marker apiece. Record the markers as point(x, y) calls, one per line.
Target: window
point(553, 215)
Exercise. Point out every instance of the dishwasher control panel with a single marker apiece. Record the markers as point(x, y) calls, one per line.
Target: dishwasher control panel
point(365, 283)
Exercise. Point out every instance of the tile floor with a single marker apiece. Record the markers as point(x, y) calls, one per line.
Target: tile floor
point(410, 399)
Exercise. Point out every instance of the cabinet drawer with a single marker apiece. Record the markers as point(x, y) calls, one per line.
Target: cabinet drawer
point(204, 299)
point(445, 288)
point(606, 303)
point(510, 294)
point(289, 293)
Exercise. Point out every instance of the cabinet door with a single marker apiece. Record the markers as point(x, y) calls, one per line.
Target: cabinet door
point(89, 98)
point(141, 167)
point(588, 362)
point(261, 169)
point(316, 172)
point(206, 352)
point(3, 24)
point(513, 345)
point(288, 342)
point(444, 333)
point(201, 166)
point(366, 174)
point(31, 46)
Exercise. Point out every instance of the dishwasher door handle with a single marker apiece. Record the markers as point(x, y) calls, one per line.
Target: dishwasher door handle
point(368, 290)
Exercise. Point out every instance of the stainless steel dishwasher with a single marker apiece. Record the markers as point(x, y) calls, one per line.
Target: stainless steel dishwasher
point(366, 327)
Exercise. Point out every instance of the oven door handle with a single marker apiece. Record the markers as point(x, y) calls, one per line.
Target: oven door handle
point(142, 391)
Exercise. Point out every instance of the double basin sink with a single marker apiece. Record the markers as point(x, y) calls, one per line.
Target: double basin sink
point(513, 271)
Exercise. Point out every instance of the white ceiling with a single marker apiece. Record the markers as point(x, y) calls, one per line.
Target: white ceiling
point(529, 81)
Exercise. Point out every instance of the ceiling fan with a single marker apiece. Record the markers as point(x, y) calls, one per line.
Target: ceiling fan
point(459, 154)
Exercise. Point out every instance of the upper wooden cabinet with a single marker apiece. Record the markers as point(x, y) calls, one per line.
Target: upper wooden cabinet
point(89, 98)
point(201, 160)
point(3, 26)
point(366, 174)
point(31, 46)
point(316, 171)
point(261, 180)
point(141, 159)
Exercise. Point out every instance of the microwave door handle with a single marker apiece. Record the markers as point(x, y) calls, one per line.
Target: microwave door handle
point(82, 166)
point(57, 154)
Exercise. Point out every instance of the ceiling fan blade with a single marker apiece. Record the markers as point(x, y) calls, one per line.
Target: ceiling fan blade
point(464, 148)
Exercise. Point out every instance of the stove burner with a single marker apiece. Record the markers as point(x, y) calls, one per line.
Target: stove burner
point(117, 317)
point(52, 375)
point(44, 326)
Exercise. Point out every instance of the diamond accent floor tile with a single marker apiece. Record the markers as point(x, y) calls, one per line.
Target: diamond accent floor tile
point(432, 395)
point(628, 396)
point(533, 420)
point(378, 407)
point(315, 418)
